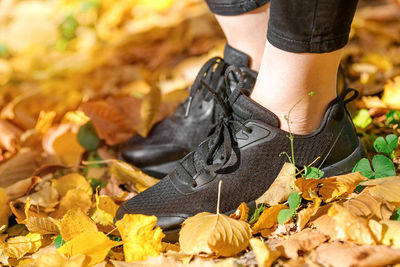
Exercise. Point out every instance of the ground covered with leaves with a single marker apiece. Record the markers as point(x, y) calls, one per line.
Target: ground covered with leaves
point(78, 77)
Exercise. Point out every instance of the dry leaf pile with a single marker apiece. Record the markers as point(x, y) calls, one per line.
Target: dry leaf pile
point(78, 77)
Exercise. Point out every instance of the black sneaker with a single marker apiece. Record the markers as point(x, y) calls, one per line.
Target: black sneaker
point(171, 139)
point(244, 151)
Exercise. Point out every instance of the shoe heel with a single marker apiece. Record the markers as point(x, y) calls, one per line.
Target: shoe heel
point(346, 165)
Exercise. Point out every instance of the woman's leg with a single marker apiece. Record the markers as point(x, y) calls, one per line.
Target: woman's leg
point(302, 54)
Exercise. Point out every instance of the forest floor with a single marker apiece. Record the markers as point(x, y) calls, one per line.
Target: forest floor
point(79, 77)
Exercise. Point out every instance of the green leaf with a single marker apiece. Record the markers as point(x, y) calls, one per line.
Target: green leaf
point(256, 214)
point(96, 183)
point(396, 215)
point(386, 145)
point(88, 137)
point(59, 241)
point(294, 200)
point(362, 119)
point(3, 49)
point(285, 215)
point(383, 166)
point(68, 27)
point(393, 117)
point(364, 167)
point(312, 172)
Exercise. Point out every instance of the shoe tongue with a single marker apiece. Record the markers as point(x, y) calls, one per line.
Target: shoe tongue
point(233, 56)
point(245, 108)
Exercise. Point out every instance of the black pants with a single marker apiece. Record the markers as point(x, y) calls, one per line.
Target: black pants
point(313, 26)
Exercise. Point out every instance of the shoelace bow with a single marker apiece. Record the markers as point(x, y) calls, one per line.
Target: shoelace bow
point(222, 134)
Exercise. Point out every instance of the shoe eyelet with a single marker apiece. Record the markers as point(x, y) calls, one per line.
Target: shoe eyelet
point(222, 158)
point(249, 130)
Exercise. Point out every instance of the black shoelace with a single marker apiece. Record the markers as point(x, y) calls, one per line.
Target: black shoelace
point(221, 143)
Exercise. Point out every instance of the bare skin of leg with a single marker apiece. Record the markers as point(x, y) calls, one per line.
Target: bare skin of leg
point(286, 77)
point(247, 32)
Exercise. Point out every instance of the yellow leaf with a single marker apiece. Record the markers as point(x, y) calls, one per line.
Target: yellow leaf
point(304, 215)
point(349, 227)
point(17, 247)
point(140, 238)
point(74, 198)
point(242, 212)
point(105, 210)
point(214, 234)
point(380, 61)
point(56, 259)
point(74, 223)
point(41, 225)
point(128, 173)
point(36, 240)
point(45, 121)
point(95, 245)
point(387, 188)
point(4, 210)
point(159, 5)
point(47, 196)
point(391, 93)
point(68, 149)
point(268, 218)
point(264, 255)
point(281, 188)
point(71, 181)
point(391, 233)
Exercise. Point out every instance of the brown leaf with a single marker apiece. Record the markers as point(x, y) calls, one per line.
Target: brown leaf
point(301, 242)
point(281, 188)
point(268, 218)
point(304, 215)
point(349, 255)
point(366, 205)
point(386, 188)
point(4, 210)
point(21, 188)
point(42, 225)
point(47, 196)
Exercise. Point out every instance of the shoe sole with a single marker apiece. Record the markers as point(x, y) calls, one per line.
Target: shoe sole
point(342, 167)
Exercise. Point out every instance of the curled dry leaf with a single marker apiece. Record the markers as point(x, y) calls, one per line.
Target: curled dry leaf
point(386, 188)
point(17, 247)
point(128, 173)
point(242, 212)
point(46, 197)
point(281, 188)
point(214, 235)
point(74, 223)
point(368, 206)
point(95, 245)
point(105, 210)
point(348, 255)
point(264, 255)
point(301, 242)
point(268, 218)
point(304, 215)
point(41, 225)
point(349, 227)
point(9, 136)
point(139, 236)
point(21, 188)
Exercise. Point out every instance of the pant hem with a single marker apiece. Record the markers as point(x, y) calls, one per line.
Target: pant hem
point(237, 8)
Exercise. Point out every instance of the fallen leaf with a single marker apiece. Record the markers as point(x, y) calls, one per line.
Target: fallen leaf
point(281, 188)
point(349, 227)
point(68, 149)
point(348, 255)
point(128, 173)
point(214, 234)
point(45, 121)
point(242, 212)
point(386, 188)
point(47, 196)
point(268, 218)
point(9, 136)
point(41, 225)
point(74, 223)
point(391, 230)
point(21, 188)
point(95, 245)
point(391, 93)
point(57, 259)
point(368, 206)
point(105, 210)
point(304, 215)
point(301, 242)
point(17, 247)
point(74, 198)
point(264, 255)
point(71, 181)
point(4, 210)
point(139, 236)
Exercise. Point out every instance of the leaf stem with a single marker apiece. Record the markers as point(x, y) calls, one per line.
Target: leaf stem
point(219, 195)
